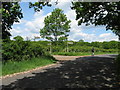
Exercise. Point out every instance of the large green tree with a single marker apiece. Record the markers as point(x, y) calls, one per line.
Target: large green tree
point(99, 13)
point(56, 26)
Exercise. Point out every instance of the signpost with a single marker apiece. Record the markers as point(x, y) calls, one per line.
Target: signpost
point(36, 37)
point(67, 45)
point(50, 47)
point(70, 42)
point(27, 38)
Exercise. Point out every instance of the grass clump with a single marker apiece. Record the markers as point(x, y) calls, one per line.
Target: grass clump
point(11, 67)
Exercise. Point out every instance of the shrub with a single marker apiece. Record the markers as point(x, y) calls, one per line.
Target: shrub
point(21, 50)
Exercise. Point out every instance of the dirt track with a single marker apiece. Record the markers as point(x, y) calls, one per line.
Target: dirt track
point(62, 58)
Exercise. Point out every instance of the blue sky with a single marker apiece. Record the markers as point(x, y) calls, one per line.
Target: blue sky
point(30, 25)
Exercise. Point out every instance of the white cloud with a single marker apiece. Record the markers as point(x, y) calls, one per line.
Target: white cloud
point(94, 37)
point(37, 23)
point(16, 31)
point(84, 36)
point(32, 27)
point(63, 5)
point(108, 37)
point(30, 24)
point(104, 35)
point(71, 14)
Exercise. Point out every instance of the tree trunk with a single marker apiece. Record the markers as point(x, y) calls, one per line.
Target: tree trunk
point(55, 38)
point(56, 41)
point(118, 37)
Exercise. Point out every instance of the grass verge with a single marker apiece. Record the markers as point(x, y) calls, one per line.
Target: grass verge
point(81, 53)
point(14, 66)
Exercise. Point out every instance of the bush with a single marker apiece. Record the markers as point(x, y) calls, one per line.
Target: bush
point(21, 50)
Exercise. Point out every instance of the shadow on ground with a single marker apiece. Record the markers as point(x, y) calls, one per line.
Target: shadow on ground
point(85, 72)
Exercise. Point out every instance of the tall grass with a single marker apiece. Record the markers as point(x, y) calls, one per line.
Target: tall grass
point(13, 66)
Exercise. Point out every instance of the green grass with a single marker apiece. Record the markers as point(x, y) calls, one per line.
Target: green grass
point(14, 67)
point(81, 53)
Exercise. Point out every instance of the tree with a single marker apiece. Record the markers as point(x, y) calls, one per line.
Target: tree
point(81, 40)
point(18, 38)
point(56, 26)
point(96, 44)
point(99, 13)
point(63, 38)
point(38, 5)
point(11, 12)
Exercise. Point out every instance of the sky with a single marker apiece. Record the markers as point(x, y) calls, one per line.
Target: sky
point(31, 23)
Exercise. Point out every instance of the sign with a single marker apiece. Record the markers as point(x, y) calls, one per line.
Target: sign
point(49, 43)
point(70, 42)
point(37, 37)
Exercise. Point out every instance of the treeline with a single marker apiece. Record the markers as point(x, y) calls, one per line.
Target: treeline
point(81, 46)
point(18, 49)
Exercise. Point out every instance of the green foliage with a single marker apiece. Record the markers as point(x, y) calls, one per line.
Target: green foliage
point(21, 50)
point(18, 38)
point(97, 44)
point(86, 47)
point(56, 26)
point(81, 40)
point(99, 13)
point(38, 5)
point(11, 12)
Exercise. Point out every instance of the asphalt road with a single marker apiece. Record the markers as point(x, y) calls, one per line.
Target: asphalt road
point(84, 72)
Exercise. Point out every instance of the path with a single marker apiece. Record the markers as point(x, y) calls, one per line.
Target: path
point(84, 72)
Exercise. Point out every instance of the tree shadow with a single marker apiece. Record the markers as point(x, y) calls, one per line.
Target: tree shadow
point(84, 72)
